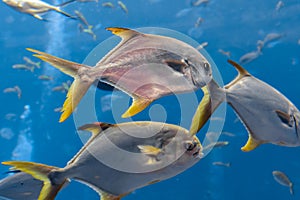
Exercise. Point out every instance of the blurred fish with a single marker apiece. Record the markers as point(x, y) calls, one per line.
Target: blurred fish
point(11, 116)
point(282, 179)
point(221, 164)
point(83, 1)
point(108, 4)
point(64, 87)
point(20, 186)
point(58, 109)
point(271, 37)
point(268, 116)
point(183, 12)
point(202, 45)
point(30, 62)
point(81, 17)
point(279, 5)
point(248, 57)
point(260, 45)
point(228, 134)
point(198, 22)
point(6, 133)
point(226, 53)
point(36, 7)
point(172, 143)
point(45, 77)
point(136, 66)
point(15, 89)
point(23, 67)
point(123, 6)
point(199, 2)
point(216, 145)
point(87, 30)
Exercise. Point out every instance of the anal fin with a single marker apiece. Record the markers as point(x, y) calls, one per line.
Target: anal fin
point(251, 144)
point(137, 106)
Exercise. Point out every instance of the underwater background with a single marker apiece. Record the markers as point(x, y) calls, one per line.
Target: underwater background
point(29, 127)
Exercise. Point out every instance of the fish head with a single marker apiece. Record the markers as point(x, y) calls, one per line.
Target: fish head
point(200, 71)
point(12, 3)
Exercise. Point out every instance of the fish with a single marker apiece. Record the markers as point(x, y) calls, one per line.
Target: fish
point(23, 67)
point(20, 186)
point(32, 63)
point(81, 17)
point(36, 7)
point(248, 57)
point(87, 30)
point(216, 144)
point(279, 5)
point(132, 167)
point(271, 37)
point(202, 45)
point(123, 6)
point(45, 77)
point(269, 116)
point(15, 89)
point(58, 109)
point(226, 53)
point(136, 66)
point(221, 164)
point(199, 21)
point(282, 179)
point(64, 87)
point(199, 2)
point(108, 4)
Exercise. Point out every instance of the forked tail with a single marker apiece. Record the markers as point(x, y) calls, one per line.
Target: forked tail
point(40, 172)
point(79, 86)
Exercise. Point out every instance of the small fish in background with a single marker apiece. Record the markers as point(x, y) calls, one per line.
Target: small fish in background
point(64, 87)
point(282, 179)
point(15, 89)
point(279, 5)
point(228, 134)
point(198, 22)
point(36, 7)
point(123, 6)
point(216, 145)
point(45, 78)
point(81, 17)
point(271, 37)
point(30, 62)
point(23, 67)
point(199, 2)
point(248, 57)
point(225, 53)
point(221, 164)
point(6, 133)
point(260, 45)
point(108, 4)
point(202, 45)
point(87, 30)
point(84, 1)
point(58, 109)
point(11, 116)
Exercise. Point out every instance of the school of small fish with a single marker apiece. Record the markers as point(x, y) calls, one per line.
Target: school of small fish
point(138, 59)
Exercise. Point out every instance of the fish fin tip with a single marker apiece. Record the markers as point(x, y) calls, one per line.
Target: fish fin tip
point(96, 127)
point(124, 33)
point(107, 196)
point(138, 104)
point(242, 71)
point(251, 144)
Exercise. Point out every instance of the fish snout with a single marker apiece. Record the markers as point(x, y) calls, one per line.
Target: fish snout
point(193, 148)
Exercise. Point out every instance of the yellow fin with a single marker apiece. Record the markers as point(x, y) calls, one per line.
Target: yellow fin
point(150, 150)
point(137, 106)
point(202, 113)
point(40, 172)
point(107, 196)
point(251, 144)
point(95, 128)
point(74, 95)
point(124, 33)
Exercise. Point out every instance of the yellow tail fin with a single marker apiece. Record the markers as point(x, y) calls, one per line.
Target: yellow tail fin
point(137, 106)
point(40, 172)
point(78, 88)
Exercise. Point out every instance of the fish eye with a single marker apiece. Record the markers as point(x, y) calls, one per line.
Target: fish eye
point(186, 61)
point(206, 66)
point(189, 146)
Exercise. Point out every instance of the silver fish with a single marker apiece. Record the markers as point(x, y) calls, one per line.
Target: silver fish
point(250, 56)
point(282, 179)
point(266, 113)
point(136, 66)
point(36, 7)
point(169, 151)
point(20, 186)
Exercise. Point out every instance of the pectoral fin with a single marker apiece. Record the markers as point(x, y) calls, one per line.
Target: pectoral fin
point(251, 144)
point(137, 106)
point(150, 150)
point(284, 117)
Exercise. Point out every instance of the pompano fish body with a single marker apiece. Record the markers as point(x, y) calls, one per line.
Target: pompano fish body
point(115, 162)
point(35, 7)
point(20, 186)
point(266, 113)
point(145, 66)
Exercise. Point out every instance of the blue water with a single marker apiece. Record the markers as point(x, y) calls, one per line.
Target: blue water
point(233, 26)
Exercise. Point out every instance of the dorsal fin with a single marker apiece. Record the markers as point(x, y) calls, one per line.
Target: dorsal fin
point(242, 73)
point(124, 33)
